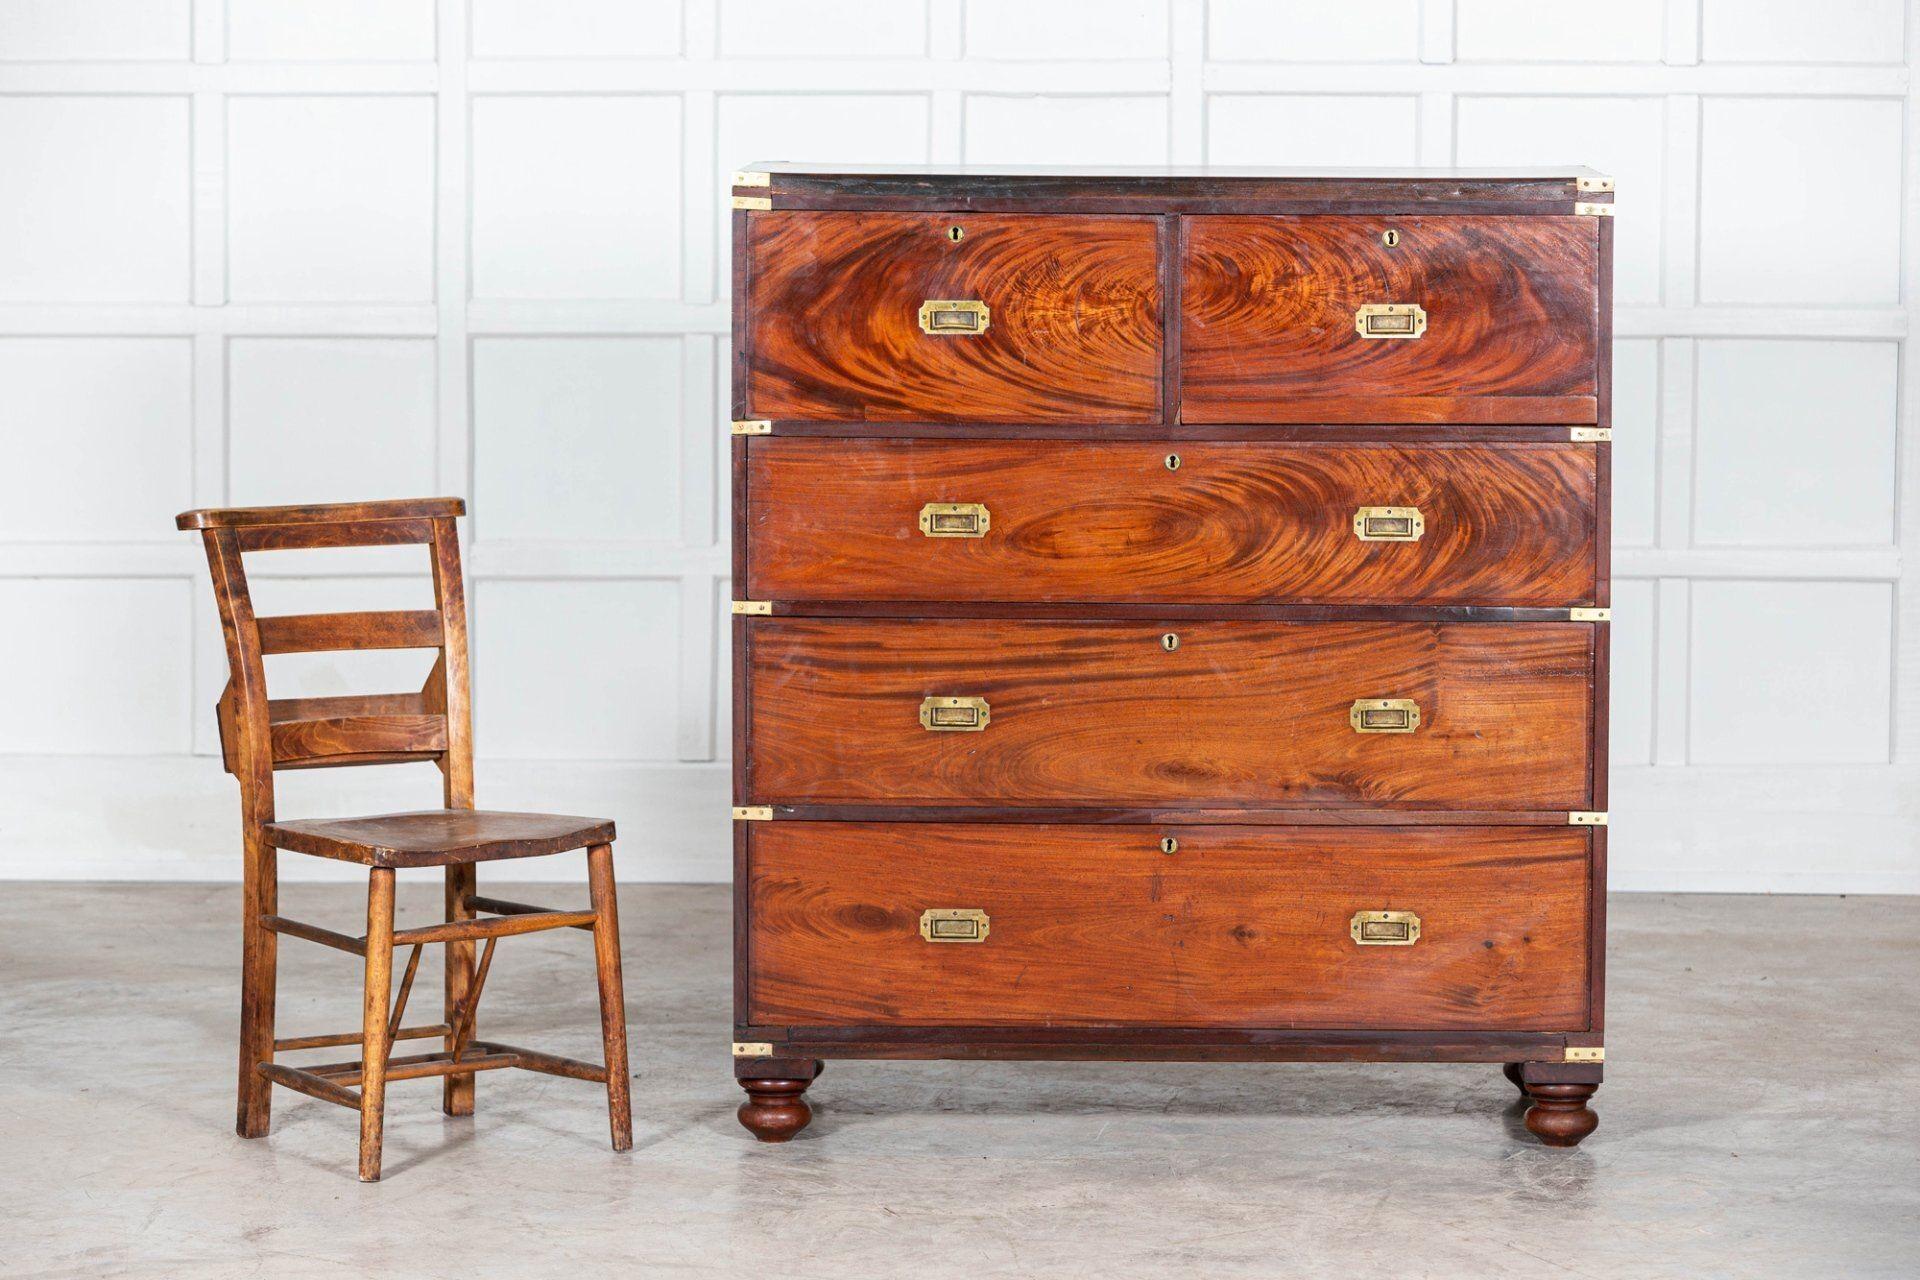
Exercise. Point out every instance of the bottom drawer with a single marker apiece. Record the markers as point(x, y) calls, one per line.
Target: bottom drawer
point(1102, 926)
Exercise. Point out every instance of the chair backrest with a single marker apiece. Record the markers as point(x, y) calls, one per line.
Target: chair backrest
point(259, 734)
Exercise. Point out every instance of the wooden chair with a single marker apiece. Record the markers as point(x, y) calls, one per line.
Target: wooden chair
point(259, 734)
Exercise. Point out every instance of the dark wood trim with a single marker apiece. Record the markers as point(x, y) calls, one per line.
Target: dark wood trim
point(742, 915)
point(1104, 611)
point(742, 333)
point(1172, 247)
point(1244, 1044)
point(1170, 815)
point(1337, 432)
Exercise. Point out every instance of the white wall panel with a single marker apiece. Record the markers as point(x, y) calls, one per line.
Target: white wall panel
point(259, 251)
point(1559, 31)
point(1313, 31)
point(336, 31)
point(103, 30)
point(842, 29)
point(575, 29)
point(1791, 672)
point(1269, 129)
point(96, 666)
point(1796, 31)
point(1630, 670)
point(330, 199)
point(1794, 443)
point(576, 670)
point(330, 420)
point(320, 675)
point(610, 406)
point(99, 438)
point(576, 197)
point(1636, 427)
point(1098, 130)
point(94, 199)
point(1624, 137)
point(1825, 228)
point(1066, 29)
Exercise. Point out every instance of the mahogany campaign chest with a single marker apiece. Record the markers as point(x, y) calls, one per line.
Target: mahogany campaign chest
point(1170, 620)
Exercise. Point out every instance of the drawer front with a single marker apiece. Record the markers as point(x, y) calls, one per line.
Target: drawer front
point(1229, 523)
point(1062, 322)
point(1239, 926)
point(966, 711)
point(1508, 331)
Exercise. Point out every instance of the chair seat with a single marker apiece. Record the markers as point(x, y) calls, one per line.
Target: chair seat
point(439, 837)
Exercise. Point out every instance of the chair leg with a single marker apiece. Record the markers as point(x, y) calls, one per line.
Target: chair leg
point(259, 951)
point(613, 999)
point(375, 1044)
point(456, 1097)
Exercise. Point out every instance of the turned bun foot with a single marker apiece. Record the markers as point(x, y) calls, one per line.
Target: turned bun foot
point(1559, 1116)
point(775, 1110)
point(1511, 1070)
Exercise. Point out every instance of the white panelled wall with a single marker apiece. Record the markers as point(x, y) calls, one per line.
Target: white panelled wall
point(267, 251)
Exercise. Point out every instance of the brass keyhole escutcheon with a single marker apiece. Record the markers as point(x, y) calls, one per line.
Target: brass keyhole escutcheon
point(956, 233)
point(1169, 845)
point(1170, 642)
point(1389, 237)
point(1173, 462)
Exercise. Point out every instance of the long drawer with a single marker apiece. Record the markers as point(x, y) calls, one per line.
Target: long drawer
point(1476, 716)
point(925, 317)
point(930, 924)
point(1459, 319)
point(1198, 522)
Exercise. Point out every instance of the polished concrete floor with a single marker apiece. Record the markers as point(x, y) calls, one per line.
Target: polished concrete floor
point(1759, 1119)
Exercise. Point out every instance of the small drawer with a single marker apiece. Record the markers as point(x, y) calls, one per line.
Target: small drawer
point(925, 317)
point(1191, 713)
point(1408, 928)
point(1488, 524)
point(1390, 319)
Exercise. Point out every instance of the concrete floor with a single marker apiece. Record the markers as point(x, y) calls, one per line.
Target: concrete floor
point(1759, 1119)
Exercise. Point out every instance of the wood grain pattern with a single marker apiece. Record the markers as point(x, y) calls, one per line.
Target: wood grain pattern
point(1239, 523)
point(1241, 713)
point(1237, 927)
point(834, 299)
point(1267, 319)
point(436, 837)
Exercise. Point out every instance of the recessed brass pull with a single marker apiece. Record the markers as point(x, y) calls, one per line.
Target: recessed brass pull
point(957, 319)
point(1384, 928)
point(1390, 320)
point(1384, 715)
point(955, 520)
point(954, 924)
point(954, 715)
point(1389, 524)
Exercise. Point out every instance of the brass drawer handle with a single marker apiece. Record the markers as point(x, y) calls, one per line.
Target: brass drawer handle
point(954, 715)
point(1384, 715)
point(1389, 524)
point(953, 318)
point(1385, 928)
point(1390, 320)
point(955, 520)
point(954, 924)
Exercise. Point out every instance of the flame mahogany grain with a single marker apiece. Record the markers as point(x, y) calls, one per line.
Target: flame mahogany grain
point(834, 300)
point(1238, 927)
point(1267, 314)
point(1236, 523)
point(1241, 713)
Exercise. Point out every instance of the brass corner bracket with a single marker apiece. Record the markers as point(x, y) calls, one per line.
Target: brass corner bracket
point(753, 813)
point(1589, 615)
point(1591, 435)
point(1598, 182)
point(752, 202)
point(1585, 1053)
point(752, 426)
point(753, 608)
point(752, 1049)
point(1586, 819)
point(754, 178)
point(1583, 209)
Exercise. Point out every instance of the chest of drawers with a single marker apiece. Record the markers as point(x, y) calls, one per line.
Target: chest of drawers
point(1170, 621)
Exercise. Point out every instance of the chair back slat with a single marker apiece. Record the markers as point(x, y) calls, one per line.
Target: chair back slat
point(335, 632)
point(261, 734)
point(359, 533)
point(339, 739)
